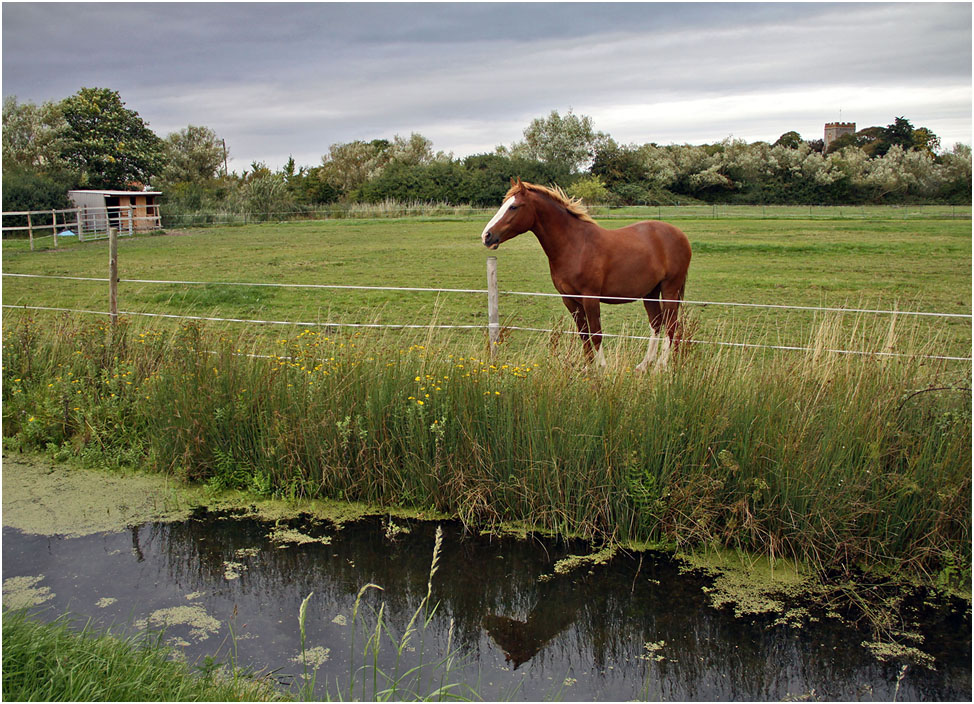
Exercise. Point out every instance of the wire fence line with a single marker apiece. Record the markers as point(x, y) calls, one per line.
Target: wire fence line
point(417, 289)
point(436, 326)
point(391, 209)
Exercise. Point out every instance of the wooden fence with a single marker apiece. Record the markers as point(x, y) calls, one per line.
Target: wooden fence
point(87, 223)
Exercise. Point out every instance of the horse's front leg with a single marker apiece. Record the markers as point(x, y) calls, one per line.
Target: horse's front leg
point(593, 315)
point(581, 322)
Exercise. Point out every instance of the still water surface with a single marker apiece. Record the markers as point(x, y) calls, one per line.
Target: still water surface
point(635, 628)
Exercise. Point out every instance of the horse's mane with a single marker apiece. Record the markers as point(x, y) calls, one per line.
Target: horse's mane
point(573, 205)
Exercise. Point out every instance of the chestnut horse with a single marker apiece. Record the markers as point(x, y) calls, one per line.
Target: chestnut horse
point(647, 261)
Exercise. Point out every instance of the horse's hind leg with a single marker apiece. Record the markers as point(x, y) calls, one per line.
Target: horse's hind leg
point(655, 314)
point(672, 294)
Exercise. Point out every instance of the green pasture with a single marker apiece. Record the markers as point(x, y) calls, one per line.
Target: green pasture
point(879, 262)
point(836, 460)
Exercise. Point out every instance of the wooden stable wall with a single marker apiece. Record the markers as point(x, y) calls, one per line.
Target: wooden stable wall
point(145, 212)
point(111, 207)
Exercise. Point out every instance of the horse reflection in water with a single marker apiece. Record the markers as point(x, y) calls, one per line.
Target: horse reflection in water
point(559, 602)
point(522, 640)
point(646, 261)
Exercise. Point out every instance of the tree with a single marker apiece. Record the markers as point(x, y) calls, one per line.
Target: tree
point(956, 169)
point(193, 154)
point(925, 141)
point(311, 186)
point(590, 190)
point(900, 134)
point(790, 140)
point(868, 139)
point(349, 165)
point(415, 151)
point(616, 165)
point(569, 141)
point(33, 136)
point(29, 189)
point(108, 144)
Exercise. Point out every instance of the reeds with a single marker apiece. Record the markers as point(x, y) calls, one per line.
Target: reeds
point(834, 459)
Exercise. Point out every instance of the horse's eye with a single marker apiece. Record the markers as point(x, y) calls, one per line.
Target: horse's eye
point(514, 207)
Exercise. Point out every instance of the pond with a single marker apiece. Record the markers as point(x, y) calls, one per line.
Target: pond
point(636, 627)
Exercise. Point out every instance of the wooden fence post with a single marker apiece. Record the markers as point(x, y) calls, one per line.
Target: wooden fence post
point(30, 232)
point(54, 227)
point(493, 307)
point(113, 275)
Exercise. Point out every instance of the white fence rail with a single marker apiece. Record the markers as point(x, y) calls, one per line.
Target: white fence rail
point(87, 223)
point(417, 289)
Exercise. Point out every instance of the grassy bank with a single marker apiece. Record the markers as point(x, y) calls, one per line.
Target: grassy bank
point(835, 460)
point(52, 662)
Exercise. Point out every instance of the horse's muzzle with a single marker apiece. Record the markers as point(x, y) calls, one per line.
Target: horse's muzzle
point(491, 241)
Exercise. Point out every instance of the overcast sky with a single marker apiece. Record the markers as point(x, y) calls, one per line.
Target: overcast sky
point(291, 79)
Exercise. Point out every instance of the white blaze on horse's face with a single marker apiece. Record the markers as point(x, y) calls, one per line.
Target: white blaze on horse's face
point(490, 240)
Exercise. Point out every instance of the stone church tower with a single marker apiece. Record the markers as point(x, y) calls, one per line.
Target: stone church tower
point(834, 130)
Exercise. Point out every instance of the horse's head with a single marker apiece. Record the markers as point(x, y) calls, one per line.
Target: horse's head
point(515, 216)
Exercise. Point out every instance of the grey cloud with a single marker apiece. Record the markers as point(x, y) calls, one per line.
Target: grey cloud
point(276, 79)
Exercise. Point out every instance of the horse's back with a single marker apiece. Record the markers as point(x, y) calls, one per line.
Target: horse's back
point(667, 244)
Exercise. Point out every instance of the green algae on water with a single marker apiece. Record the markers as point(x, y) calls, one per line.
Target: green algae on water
point(200, 623)
point(24, 592)
point(750, 585)
point(43, 498)
point(233, 570)
point(285, 537)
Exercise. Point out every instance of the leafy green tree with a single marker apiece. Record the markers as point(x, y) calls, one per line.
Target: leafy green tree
point(310, 186)
point(868, 139)
point(33, 136)
point(790, 140)
point(108, 144)
point(900, 134)
point(349, 165)
point(193, 154)
point(956, 168)
point(569, 141)
point(29, 189)
point(925, 141)
point(616, 165)
point(415, 151)
point(590, 190)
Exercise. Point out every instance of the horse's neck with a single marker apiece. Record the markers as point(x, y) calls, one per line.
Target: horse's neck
point(558, 231)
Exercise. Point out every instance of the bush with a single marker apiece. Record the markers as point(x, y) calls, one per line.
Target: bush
point(29, 190)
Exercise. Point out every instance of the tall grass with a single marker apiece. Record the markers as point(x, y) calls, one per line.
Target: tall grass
point(841, 461)
point(52, 662)
point(397, 666)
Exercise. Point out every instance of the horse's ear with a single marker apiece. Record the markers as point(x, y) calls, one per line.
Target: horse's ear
point(517, 184)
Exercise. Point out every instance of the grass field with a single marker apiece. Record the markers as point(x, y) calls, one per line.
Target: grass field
point(919, 265)
point(840, 461)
